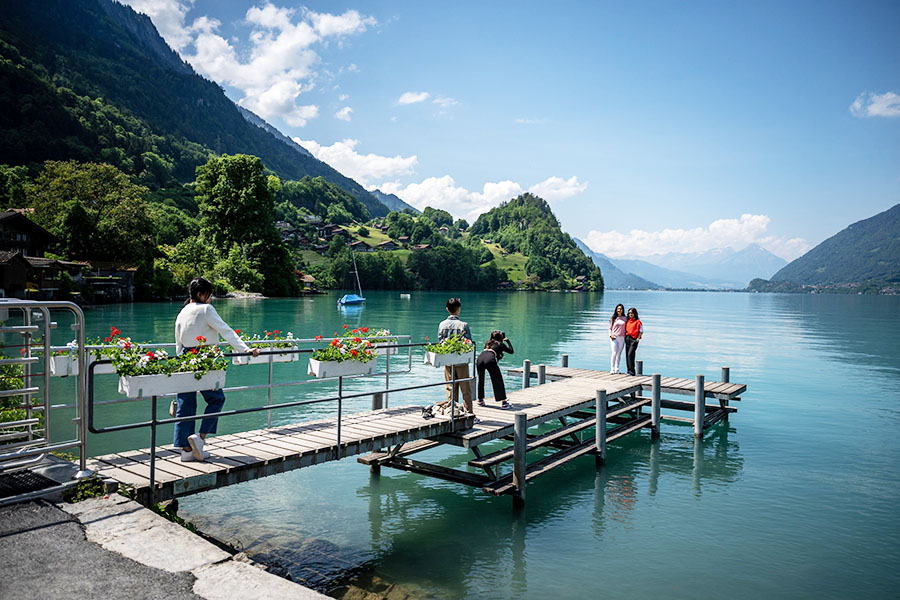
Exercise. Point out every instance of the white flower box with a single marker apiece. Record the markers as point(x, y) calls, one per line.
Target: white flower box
point(67, 364)
point(144, 386)
point(329, 368)
point(385, 348)
point(263, 358)
point(445, 360)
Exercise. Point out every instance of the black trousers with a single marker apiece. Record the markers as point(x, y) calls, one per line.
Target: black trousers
point(487, 361)
point(631, 345)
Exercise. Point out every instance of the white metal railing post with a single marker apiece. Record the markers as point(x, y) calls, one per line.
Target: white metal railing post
point(699, 406)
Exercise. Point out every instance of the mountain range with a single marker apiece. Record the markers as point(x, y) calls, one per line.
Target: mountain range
point(78, 75)
point(864, 256)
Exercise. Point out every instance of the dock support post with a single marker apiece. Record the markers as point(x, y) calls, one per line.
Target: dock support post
point(377, 401)
point(726, 378)
point(699, 406)
point(638, 367)
point(654, 404)
point(542, 374)
point(526, 373)
point(600, 428)
point(565, 360)
point(520, 441)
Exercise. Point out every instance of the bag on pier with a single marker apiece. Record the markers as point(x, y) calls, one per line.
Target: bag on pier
point(428, 411)
point(173, 406)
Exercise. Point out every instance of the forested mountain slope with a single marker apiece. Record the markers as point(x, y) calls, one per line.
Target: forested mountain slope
point(92, 80)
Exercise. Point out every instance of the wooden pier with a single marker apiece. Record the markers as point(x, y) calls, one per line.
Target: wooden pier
point(579, 411)
point(250, 455)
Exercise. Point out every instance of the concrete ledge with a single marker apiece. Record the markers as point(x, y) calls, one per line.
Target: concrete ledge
point(233, 579)
point(125, 527)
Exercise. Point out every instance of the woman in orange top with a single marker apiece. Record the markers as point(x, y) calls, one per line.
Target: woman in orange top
point(634, 329)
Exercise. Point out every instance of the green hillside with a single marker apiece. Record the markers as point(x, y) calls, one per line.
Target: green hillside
point(526, 226)
point(91, 80)
point(865, 253)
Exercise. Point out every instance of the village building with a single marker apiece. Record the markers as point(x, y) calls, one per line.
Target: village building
point(388, 245)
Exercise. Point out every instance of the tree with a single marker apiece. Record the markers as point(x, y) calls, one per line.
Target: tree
point(94, 209)
point(236, 208)
point(438, 216)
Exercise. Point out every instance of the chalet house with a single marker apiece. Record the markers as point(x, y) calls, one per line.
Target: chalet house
point(326, 232)
point(308, 282)
point(111, 281)
point(361, 246)
point(404, 240)
point(20, 234)
point(388, 245)
point(444, 229)
point(45, 276)
point(420, 247)
point(13, 274)
point(312, 220)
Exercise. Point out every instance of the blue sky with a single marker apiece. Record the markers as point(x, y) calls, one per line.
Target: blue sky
point(650, 128)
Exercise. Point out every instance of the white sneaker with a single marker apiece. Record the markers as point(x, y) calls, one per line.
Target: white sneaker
point(196, 443)
point(188, 456)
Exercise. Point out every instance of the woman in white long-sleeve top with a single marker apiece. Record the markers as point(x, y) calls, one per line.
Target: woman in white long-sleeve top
point(199, 323)
point(617, 337)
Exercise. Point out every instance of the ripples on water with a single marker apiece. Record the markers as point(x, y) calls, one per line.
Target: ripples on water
point(795, 497)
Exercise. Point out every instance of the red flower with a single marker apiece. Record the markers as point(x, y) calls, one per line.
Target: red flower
point(335, 342)
point(22, 351)
point(151, 356)
point(114, 331)
point(353, 352)
point(365, 330)
point(201, 339)
point(318, 337)
point(368, 344)
point(355, 331)
point(193, 351)
point(107, 339)
point(127, 345)
point(345, 327)
point(277, 332)
point(426, 338)
point(357, 339)
point(237, 331)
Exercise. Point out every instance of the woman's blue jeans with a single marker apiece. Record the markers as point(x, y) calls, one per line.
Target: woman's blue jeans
point(187, 407)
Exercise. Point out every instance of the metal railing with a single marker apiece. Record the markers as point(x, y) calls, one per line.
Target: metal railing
point(28, 440)
point(154, 422)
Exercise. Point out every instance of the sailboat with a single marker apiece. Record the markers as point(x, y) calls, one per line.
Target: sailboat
point(353, 298)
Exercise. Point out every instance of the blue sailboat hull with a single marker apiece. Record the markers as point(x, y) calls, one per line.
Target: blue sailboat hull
point(351, 299)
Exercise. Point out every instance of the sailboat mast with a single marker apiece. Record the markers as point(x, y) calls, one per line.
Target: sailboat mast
point(356, 272)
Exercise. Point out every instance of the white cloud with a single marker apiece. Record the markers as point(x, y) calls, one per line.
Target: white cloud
point(280, 63)
point(869, 104)
point(362, 167)
point(736, 233)
point(443, 193)
point(343, 114)
point(445, 102)
point(343, 97)
point(554, 189)
point(413, 98)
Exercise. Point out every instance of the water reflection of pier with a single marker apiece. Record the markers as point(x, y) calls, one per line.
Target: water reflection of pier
point(399, 527)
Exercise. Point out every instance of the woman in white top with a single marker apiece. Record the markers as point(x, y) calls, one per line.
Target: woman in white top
point(617, 337)
point(198, 319)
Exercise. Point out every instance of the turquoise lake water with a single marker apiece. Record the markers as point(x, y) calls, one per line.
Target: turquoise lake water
point(796, 496)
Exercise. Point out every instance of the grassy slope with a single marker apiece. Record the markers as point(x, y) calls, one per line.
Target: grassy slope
point(513, 263)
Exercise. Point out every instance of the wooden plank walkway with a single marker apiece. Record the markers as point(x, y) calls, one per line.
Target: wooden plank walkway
point(671, 385)
point(250, 455)
point(540, 403)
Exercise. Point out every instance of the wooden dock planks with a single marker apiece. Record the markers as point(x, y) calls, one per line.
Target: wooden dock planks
point(247, 455)
point(673, 385)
